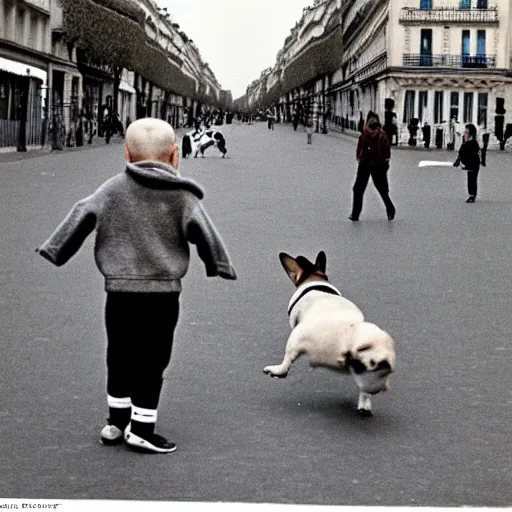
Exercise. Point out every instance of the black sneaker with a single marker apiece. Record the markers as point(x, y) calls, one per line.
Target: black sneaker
point(471, 199)
point(353, 218)
point(152, 444)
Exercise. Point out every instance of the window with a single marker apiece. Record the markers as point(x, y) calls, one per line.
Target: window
point(32, 31)
point(4, 97)
point(465, 4)
point(20, 25)
point(482, 4)
point(423, 100)
point(482, 109)
point(438, 106)
point(409, 105)
point(465, 49)
point(426, 47)
point(454, 106)
point(425, 4)
point(468, 107)
point(480, 49)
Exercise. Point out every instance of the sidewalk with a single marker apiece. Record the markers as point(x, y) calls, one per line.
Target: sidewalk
point(350, 135)
point(14, 156)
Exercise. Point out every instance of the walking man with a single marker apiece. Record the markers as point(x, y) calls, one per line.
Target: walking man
point(373, 155)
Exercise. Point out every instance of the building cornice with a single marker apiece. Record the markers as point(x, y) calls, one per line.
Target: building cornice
point(16, 51)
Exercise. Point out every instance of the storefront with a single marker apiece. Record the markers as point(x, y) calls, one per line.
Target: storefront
point(22, 104)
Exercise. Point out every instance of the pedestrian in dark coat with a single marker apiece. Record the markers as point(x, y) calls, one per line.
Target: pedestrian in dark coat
point(373, 154)
point(469, 156)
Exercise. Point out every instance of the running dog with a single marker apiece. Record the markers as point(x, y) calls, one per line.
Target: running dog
point(332, 331)
point(197, 141)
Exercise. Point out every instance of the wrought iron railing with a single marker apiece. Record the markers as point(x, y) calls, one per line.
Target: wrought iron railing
point(449, 15)
point(449, 61)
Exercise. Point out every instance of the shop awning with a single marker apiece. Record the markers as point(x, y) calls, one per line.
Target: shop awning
point(21, 69)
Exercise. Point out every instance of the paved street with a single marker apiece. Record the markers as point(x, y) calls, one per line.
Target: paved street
point(437, 278)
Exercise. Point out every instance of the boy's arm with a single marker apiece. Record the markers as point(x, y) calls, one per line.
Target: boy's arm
point(200, 231)
point(69, 235)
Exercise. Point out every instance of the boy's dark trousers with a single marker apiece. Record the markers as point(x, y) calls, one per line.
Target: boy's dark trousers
point(472, 182)
point(380, 180)
point(140, 330)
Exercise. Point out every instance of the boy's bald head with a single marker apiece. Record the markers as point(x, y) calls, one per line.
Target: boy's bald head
point(150, 139)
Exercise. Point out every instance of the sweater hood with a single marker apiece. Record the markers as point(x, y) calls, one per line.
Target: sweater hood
point(161, 176)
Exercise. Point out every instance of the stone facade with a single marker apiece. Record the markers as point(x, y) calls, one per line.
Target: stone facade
point(422, 65)
point(57, 58)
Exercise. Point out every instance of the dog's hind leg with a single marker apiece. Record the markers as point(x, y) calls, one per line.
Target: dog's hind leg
point(365, 404)
point(292, 352)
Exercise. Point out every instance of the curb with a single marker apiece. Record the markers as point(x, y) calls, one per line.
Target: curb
point(15, 156)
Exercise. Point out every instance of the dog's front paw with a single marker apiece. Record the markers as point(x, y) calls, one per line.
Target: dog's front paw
point(274, 372)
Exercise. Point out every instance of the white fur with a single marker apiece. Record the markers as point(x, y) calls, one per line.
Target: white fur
point(332, 331)
point(200, 138)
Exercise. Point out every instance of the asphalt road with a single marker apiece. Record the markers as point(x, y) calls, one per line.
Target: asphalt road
point(437, 278)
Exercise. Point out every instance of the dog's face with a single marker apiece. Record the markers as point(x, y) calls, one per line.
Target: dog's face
point(371, 362)
point(301, 270)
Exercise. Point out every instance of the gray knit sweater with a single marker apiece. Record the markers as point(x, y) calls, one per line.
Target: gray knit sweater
point(144, 219)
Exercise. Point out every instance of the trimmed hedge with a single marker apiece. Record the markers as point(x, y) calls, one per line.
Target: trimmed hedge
point(112, 31)
point(126, 8)
point(321, 56)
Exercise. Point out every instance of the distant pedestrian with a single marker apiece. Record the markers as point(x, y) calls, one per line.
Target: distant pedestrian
point(118, 124)
point(270, 119)
point(91, 128)
point(295, 119)
point(373, 154)
point(469, 156)
point(145, 218)
point(309, 132)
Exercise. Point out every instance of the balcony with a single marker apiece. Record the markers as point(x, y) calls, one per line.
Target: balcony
point(449, 15)
point(449, 61)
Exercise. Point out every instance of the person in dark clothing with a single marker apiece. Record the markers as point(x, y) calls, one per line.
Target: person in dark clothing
point(373, 155)
point(469, 156)
point(295, 119)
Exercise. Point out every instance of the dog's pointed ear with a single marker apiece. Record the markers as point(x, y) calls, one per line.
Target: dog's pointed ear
point(291, 266)
point(321, 262)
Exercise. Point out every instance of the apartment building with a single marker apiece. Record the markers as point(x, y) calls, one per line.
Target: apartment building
point(299, 81)
point(459, 55)
point(435, 63)
point(25, 56)
point(68, 65)
point(426, 66)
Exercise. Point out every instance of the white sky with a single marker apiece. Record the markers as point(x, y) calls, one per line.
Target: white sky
point(238, 38)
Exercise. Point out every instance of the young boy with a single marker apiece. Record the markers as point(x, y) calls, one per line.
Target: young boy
point(144, 219)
